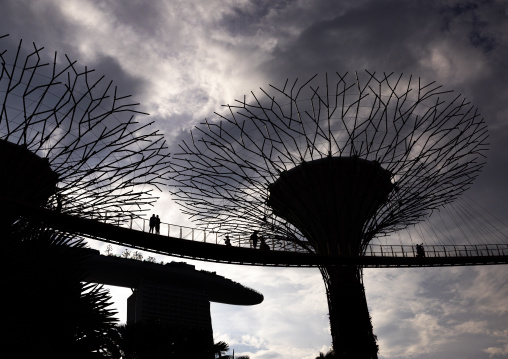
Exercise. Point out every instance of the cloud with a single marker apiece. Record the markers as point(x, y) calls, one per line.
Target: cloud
point(433, 311)
point(183, 60)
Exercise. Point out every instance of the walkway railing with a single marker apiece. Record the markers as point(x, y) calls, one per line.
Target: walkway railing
point(174, 230)
point(438, 251)
point(207, 245)
point(373, 250)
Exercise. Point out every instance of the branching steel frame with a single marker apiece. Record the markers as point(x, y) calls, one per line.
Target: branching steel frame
point(248, 169)
point(106, 162)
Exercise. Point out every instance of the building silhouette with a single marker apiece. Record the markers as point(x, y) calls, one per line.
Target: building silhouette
point(174, 294)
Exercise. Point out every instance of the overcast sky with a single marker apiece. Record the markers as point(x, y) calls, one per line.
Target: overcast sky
point(183, 59)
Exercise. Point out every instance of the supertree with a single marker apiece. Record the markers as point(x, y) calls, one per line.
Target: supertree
point(325, 166)
point(69, 142)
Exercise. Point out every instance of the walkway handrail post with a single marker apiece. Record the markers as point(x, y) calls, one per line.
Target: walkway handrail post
point(143, 224)
point(169, 228)
point(181, 237)
point(204, 236)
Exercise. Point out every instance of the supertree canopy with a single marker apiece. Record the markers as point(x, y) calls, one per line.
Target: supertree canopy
point(70, 142)
point(325, 166)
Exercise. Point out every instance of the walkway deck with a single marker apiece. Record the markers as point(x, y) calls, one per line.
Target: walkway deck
point(201, 245)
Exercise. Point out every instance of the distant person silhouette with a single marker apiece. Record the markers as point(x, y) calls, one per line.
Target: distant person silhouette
point(420, 252)
point(59, 202)
point(263, 246)
point(254, 239)
point(157, 225)
point(227, 241)
point(152, 223)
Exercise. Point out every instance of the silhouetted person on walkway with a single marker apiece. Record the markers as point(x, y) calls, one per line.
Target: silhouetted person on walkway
point(157, 225)
point(263, 246)
point(152, 223)
point(59, 202)
point(254, 239)
point(227, 241)
point(420, 252)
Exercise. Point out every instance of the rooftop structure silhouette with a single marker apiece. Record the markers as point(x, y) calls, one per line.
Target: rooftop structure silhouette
point(174, 294)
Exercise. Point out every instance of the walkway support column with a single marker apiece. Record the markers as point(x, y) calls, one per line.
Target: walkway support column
point(350, 322)
point(329, 200)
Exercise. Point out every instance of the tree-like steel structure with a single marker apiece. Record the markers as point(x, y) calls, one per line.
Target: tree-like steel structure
point(325, 166)
point(69, 142)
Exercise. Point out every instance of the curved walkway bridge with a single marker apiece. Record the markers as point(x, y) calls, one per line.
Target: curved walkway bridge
point(201, 245)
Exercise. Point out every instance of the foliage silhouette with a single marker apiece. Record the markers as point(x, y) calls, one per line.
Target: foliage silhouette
point(157, 340)
point(220, 348)
point(50, 312)
point(329, 355)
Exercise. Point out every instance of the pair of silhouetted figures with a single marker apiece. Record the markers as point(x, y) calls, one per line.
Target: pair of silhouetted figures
point(155, 223)
point(254, 239)
point(420, 252)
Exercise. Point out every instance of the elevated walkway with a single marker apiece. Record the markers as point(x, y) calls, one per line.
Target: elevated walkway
point(201, 245)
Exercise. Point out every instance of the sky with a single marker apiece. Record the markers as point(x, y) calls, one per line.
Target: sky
point(182, 60)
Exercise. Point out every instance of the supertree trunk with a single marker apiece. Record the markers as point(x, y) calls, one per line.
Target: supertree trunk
point(350, 324)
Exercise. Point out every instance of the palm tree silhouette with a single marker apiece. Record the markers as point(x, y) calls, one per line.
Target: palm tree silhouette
point(49, 310)
point(220, 348)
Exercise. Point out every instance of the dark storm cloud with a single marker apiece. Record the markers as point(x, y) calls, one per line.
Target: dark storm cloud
point(246, 19)
point(183, 60)
point(44, 24)
point(147, 18)
point(391, 36)
point(478, 34)
point(39, 22)
point(373, 36)
point(127, 83)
